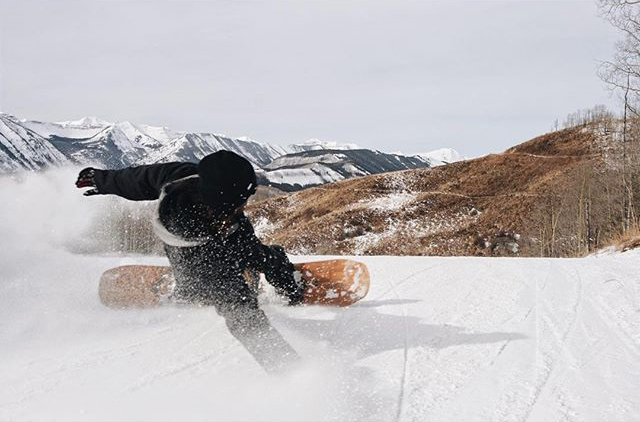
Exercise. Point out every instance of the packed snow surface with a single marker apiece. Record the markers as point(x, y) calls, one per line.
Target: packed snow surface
point(435, 339)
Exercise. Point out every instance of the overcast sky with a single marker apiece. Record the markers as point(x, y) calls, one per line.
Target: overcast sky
point(411, 76)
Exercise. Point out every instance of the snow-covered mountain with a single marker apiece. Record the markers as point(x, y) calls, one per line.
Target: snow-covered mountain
point(34, 145)
point(317, 144)
point(194, 146)
point(116, 146)
point(76, 129)
point(93, 141)
point(22, 148)
point(85, 122)
point(316, 167)
point(441, 156)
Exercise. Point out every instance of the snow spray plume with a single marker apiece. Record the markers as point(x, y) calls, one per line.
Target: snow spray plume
point(68, 357)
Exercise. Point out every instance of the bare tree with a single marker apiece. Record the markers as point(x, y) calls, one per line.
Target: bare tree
point(597, 114)
point(622, 72)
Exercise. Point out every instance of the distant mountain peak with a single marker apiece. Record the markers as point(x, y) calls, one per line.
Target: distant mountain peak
point(91, 140)
point(318, 144)
point(8, 116)
point(247, 139)
point(85, 122)
point(441, 156)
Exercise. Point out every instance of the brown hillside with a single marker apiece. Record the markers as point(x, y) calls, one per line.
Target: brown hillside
point(500, 204)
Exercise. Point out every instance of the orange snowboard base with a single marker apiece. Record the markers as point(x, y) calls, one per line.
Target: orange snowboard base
point(135, 286)
point(337, 282)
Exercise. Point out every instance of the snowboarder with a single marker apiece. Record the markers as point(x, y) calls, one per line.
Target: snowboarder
point(209, 241)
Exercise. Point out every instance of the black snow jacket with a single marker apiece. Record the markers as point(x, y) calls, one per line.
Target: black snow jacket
point(209, 267)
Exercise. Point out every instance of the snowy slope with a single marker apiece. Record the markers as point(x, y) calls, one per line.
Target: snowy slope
point(314, 174)
point(436, 338)
point(314, 167)
point(160, 133)
point(21, 148)
point(194, 146)
point(137, 134)
point(317, 144)
point(88, 127)
point(91, 141)
point(114, 147)
point(85, 122)
point(76, 129)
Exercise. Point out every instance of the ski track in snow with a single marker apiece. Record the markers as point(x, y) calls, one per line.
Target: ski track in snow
point(405, 352)
point(436, 339)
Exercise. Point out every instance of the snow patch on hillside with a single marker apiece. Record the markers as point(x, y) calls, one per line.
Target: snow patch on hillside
point(430, 225)
point(391, 202)
point(263, 227)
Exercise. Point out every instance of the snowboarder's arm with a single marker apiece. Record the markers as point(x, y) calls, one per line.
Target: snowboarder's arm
point(280, 273)
point(142, 183)
point(273, 262)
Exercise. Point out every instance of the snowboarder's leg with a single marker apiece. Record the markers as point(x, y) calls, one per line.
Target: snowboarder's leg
point(252, 328)
point(237, 303)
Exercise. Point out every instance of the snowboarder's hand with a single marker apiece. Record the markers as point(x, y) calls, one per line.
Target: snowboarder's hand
point(86, 180)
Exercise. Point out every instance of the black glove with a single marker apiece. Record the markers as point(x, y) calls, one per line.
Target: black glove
point(280, 273)
point(86, 180)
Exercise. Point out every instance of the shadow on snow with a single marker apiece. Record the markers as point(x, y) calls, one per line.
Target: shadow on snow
point(364, 330)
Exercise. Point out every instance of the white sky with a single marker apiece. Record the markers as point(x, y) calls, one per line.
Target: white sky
point(412, 76)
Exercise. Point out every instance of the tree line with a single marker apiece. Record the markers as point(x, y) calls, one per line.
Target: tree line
point(601, 204)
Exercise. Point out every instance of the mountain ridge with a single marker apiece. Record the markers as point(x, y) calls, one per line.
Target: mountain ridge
point(92, 141)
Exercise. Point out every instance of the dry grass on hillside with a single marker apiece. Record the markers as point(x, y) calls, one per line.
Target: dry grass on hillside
point(500, 204)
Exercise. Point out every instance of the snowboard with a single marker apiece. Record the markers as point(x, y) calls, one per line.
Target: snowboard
point(336, 282)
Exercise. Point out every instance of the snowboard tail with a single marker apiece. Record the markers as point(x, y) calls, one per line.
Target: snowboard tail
point(337, 282)
point(135, 286)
